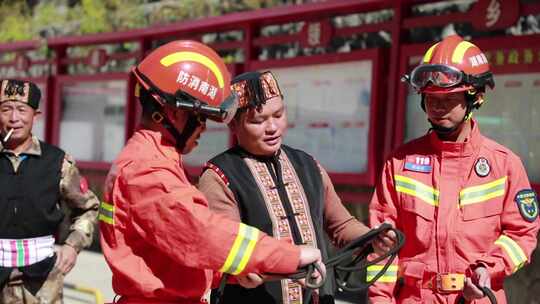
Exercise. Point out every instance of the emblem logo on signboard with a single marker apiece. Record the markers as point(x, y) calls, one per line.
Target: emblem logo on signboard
point(493, 13)
point(316, 33)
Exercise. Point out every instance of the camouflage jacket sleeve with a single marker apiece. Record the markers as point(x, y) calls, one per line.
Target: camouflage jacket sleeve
point(80, 205)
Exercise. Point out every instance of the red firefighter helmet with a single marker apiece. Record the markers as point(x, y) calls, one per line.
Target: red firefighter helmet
point(190, 76)
point(452, 65)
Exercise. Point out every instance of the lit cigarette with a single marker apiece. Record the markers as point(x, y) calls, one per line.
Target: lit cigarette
point(8, 135)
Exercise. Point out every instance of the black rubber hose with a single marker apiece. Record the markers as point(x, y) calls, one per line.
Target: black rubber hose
point(487, 292)
point(349, 259)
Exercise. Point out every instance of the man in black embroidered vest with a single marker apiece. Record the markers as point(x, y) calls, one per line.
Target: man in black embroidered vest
point(42, 197)
point(278, 189)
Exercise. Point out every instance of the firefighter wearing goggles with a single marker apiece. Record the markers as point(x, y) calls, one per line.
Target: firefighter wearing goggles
point(158, 236)
point(446, 69)
point(463, 201)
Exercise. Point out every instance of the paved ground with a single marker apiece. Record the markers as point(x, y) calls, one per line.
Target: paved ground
point(92, 271)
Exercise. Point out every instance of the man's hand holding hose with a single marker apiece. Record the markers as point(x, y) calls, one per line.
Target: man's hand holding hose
point(384, 242)
point(480, 278)
point(477, 286)
point(308, 256)
point(384, 239)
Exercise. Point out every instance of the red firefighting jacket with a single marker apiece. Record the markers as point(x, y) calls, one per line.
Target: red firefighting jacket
point(159, 237)
point(459, 206)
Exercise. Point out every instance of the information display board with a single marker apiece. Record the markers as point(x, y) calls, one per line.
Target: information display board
point(329, 112)
point(92, 120)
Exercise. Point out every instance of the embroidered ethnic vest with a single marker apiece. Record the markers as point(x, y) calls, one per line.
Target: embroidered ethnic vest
point(29, 205)
point(29, 197)
point(284, 197)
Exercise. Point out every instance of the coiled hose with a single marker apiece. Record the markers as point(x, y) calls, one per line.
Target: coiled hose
point(349, 259)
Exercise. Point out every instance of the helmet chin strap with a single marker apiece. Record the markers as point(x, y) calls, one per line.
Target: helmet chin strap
point(182, 137)
point(158, 116)
point(443, 130)
point(440, 130)
point(192, 124)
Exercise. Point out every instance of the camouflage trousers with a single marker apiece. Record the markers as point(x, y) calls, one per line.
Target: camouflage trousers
point(51, 292)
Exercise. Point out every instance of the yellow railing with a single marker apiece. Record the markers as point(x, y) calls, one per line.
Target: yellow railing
point(98, 296)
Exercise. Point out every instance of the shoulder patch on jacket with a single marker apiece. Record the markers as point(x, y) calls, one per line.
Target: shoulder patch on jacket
point(527, 204)
point(83, 185)
point(218, 171)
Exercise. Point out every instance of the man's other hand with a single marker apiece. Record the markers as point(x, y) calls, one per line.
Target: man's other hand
point(66, 256)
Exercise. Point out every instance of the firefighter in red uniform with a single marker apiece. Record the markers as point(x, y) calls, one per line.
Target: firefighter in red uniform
point(157, 233)
point(463, 201)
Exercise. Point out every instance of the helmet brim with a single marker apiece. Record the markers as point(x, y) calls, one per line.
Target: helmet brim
point(438, 90)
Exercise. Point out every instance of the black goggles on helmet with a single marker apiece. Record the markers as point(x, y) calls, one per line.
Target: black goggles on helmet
point(223, 113)
point(445, 76)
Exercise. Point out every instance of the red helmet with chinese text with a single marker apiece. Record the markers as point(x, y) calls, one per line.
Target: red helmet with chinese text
point(190, 76)
point(452, 65)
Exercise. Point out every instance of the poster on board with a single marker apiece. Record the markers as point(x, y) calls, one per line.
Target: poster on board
point(92, 125)
point(328, 108)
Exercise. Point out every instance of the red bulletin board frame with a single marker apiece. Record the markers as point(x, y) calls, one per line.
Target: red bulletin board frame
point(56, 109)
point(366, 178)
point(389, 110)
point(488, 45)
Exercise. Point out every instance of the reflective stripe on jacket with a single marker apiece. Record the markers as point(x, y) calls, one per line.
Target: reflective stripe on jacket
point(159, 237)
point(456, 203)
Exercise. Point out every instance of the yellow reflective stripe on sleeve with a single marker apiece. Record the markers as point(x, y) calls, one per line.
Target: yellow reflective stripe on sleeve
point(459, 51)
point(513, 250)
point(106, 213)
point(390, 276)
point(241, 251)
point(482, 193)
point(429, 53)
point(417, 189)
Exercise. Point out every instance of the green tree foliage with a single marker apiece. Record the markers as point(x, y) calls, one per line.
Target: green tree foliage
point(14, 21)
point(49, 18)
point(126, 14)
point(93, 16)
